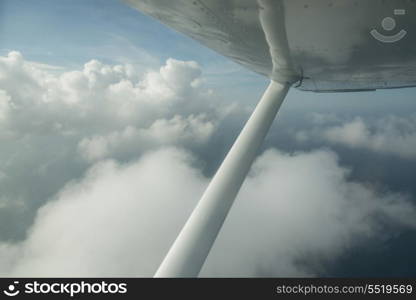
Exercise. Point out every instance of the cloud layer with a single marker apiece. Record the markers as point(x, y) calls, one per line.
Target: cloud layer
point(54, 123)
point(119, 220)
point(99, 97)
point(100, 168)
point(394, 135)
point(302, 207)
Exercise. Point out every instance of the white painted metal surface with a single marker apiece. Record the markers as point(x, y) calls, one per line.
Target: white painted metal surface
point(331, 44)
point(188, 253)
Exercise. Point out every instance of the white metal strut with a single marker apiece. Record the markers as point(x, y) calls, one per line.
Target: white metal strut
point(190, 249)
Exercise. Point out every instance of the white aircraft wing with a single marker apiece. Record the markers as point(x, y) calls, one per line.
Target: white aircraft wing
point(329, 45)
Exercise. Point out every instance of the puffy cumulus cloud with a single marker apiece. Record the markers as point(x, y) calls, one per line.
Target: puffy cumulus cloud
point(17, 77)
point(352, 134)
point(390, 135)
point(81, 144)
point(181, 75)
point(5, 106)
point(99, 95)
point(119, 220)
point(302, 207)
point(55, 122)
point(176, 131)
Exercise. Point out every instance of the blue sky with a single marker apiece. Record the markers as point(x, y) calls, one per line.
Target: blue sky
point(69, 33)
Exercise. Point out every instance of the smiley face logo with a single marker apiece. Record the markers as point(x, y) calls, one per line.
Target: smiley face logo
point(11, 289)
point(389, 24)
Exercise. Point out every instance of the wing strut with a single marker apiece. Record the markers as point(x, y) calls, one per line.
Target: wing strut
point(190, 249)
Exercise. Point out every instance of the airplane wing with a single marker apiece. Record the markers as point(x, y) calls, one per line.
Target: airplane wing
point(341, 45)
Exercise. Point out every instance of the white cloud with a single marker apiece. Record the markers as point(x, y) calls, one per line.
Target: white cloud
point(390, 135)
point(55, 122)
point(111, 222)
point(181, 75)
point(4, 106)
point(352, 134)
point(119, 220)
point(176, 131)
point(100, 96)
point(301, 207)
point(120, 217)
